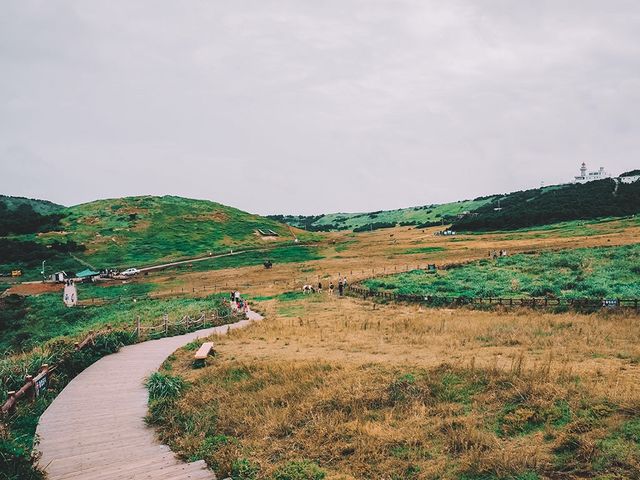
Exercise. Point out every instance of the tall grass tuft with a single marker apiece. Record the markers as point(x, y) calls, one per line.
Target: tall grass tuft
point(162, 386)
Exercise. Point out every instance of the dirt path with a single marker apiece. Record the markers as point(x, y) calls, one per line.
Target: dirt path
point(95, 429)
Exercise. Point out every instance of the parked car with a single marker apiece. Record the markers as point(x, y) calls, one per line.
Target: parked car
point(130, 272)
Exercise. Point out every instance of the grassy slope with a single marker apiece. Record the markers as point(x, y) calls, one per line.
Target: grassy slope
point(429, 213)
point(142, 230)
point(596, 272)
point(137, 231)
point(534, 207)
point(424, 214)
point(44, 317)
point(598, 199)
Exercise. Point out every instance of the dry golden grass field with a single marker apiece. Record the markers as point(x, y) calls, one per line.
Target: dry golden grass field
point(342, 388)
point(364, 255)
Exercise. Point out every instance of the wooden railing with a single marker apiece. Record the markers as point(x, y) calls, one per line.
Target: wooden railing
point(573, 303)
point(34, 385)
point(31, 389)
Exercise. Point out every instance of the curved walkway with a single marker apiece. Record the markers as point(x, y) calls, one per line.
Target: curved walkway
point(95, 429)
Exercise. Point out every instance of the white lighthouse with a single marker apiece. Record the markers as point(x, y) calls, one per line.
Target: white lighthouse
point(586, 176)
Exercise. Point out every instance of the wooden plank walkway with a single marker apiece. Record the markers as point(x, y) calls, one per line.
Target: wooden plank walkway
point(95, 430)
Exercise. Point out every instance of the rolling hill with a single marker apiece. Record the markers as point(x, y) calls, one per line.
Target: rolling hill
point(427, 214)
point(136, 231)
point(542, 206)
point(534, 207)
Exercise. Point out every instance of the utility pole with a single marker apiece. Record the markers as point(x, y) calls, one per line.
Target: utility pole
point(42, 272)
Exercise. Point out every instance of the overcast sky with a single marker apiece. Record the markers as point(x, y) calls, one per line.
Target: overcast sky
point(314, 106)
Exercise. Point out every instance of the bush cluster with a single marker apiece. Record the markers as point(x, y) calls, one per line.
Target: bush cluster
point(24, 219)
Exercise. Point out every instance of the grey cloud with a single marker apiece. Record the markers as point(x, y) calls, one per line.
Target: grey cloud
point(282, 106)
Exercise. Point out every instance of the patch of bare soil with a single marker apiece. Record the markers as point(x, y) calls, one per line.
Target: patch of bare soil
point(34, 288)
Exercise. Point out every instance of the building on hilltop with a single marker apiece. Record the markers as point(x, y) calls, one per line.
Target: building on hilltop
point(585, 176)
point(630, 177)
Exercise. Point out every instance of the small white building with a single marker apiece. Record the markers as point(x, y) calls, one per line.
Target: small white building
point(630, 177)
point(58, 277)
point(586, 176)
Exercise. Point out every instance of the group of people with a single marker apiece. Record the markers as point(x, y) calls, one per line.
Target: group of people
point(342, 285)
point(497, 253)
point(238, 302)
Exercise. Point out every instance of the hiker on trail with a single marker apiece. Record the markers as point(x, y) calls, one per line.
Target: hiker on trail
point(320, 287)
point(331, 287)
point(340, 287)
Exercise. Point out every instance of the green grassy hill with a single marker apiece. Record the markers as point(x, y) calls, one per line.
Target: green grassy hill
point(424, 215)
point(136, 231)
point(560, 203)
point(516, 210)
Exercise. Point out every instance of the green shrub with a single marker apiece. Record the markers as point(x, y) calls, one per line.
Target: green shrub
point(163, 386)
point(243, 469)
point(15, 463)
point(301, 470)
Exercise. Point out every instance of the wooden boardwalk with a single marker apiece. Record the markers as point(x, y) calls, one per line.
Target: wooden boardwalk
point(95, 429)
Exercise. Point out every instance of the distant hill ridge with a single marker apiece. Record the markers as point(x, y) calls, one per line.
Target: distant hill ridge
point(539, 206)
point(434, 214)
point(43, 207)
point(602, 198)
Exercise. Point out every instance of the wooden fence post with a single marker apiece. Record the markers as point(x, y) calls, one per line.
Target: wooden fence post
point(32, 390)
point(10, 396)
point(138, 327)
point(166, 324)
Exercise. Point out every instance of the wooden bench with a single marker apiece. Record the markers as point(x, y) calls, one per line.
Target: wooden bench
point(199, 359)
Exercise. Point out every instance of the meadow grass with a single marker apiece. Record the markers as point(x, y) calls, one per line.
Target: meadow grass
point(51, 339)
point(278, 254)
point(376, 391)
point(34, 320)
point(571, 228)
point(422, 250)
point(609, 272)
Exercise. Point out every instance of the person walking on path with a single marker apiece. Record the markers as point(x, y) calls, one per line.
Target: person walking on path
point(340, 287)
point(331, 287)
point(319, 287)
